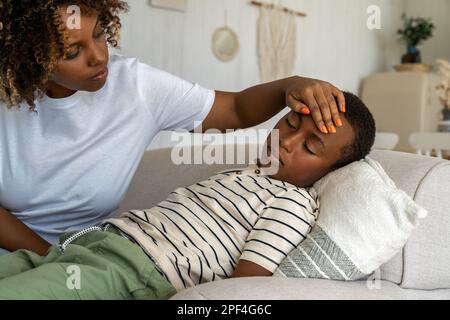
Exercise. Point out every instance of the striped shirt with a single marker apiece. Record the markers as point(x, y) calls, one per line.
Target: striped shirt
point(200, 233)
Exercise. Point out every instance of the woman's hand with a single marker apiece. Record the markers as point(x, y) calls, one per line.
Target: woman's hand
point(15, 235)
point(256, 105)
point(317, 98)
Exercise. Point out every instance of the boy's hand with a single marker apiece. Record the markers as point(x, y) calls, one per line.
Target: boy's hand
point(317, 98)
point(250, 269)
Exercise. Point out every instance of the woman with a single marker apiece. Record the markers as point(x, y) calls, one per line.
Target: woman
point(75, 121)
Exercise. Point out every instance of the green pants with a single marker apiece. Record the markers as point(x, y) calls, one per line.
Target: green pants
point(99, 265)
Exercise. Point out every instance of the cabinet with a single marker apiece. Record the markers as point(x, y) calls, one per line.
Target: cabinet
point(403, 103)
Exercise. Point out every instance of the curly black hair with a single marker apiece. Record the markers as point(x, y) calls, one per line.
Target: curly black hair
point(364, 127)
point(33, 40)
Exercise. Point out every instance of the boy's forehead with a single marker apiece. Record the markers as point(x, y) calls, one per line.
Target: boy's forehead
point(343, 137)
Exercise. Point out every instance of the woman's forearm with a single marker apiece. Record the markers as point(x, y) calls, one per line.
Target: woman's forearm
point(15, 235)
point(258, 104)
point(313, 97)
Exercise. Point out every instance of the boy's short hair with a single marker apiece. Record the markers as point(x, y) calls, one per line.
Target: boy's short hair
point(363, 124)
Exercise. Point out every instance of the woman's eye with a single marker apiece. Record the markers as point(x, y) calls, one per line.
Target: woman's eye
point(73, 55)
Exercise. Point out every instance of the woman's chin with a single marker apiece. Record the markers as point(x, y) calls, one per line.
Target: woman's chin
point(95, 87)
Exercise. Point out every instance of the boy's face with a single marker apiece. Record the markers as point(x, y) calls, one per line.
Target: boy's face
point(305, 154)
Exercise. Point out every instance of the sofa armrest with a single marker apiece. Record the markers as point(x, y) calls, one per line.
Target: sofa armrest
point(274, 288)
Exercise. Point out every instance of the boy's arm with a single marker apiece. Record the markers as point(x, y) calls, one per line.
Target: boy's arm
point(280, 228)
point(15, 235)
point(250, 269)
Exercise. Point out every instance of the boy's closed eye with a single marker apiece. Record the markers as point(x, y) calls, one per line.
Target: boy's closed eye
point(295, 125)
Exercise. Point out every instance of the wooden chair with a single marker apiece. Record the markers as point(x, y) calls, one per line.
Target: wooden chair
point(425, 143)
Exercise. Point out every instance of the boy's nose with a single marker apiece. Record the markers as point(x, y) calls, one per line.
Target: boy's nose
point(290, 141)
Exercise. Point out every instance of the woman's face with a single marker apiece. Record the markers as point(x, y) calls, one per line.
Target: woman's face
point(306, 154)
point(85, 68)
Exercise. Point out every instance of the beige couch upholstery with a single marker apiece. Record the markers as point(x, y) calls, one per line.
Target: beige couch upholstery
point(420, 271)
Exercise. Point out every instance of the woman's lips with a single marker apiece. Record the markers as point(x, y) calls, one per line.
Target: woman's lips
point(101, 75)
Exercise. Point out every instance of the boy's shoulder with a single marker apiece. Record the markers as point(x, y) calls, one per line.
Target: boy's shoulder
point(254, 178)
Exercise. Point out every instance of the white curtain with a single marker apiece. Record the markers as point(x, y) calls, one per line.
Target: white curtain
point(276, 43)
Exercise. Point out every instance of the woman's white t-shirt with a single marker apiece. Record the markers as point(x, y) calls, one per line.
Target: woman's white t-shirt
point(69, 165)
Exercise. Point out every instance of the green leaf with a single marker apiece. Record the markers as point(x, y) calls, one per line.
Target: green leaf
point(415, 29)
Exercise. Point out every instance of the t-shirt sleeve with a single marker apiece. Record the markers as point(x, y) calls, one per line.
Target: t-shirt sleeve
point(281, 227)
point(173, 102)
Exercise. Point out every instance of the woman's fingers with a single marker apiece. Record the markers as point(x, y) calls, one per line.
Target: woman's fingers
point(316, 112)
point(336, 118)
point(320, 99)
point(339, 95)
point(297, 105)
point(325, 110)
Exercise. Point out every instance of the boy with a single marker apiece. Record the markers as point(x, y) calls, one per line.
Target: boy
point(238, 223)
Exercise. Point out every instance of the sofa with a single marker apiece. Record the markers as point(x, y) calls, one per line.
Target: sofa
point(421, 271)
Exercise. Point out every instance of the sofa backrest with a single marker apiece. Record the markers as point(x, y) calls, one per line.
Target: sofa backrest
point(422, 264)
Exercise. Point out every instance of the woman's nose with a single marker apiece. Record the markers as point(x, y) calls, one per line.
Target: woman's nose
point(96, 56)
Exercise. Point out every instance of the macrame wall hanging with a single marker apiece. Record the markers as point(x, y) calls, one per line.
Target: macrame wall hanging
point(277, 40)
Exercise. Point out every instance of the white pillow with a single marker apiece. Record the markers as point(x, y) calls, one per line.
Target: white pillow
point(364, 221)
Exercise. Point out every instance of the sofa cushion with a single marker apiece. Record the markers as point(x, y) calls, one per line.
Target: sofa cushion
point(304, 289)
point(427, 254)
point(364, 221)
point(157, 176)
point(423, 264)
point(407, 170)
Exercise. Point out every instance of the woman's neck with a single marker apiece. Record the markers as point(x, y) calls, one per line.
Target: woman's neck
point(55, 91)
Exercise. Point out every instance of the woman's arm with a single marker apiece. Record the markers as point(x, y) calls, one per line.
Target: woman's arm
point(255, 105)
point(15, 235)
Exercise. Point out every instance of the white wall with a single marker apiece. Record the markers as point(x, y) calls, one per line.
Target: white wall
point(333, 42)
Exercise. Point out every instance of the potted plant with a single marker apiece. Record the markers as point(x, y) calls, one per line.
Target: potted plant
point(443, 90)
point(414, 32)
